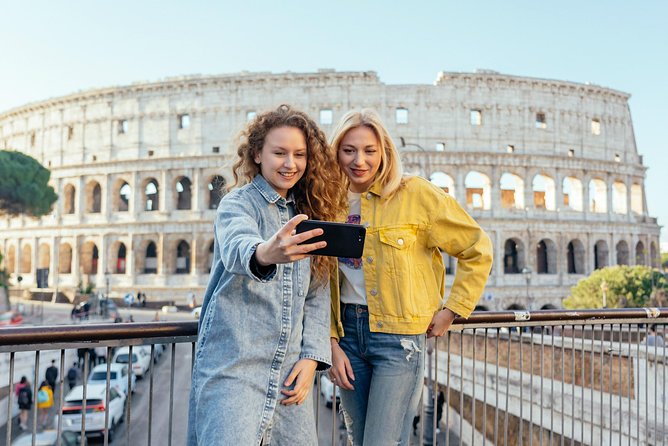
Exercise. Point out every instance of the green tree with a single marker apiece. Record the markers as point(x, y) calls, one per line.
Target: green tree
point(626, 286)
point(24, 186)
point(664, 261)
point(4, 288)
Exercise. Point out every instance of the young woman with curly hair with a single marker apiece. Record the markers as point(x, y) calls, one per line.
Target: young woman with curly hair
point(385, 304)
point(263, 328)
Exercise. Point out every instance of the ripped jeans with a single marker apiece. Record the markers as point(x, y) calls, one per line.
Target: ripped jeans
point(389, 370)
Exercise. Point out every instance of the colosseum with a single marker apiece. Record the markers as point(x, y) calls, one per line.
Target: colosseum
point(549, 168)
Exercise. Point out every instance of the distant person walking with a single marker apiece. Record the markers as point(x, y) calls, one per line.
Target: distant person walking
point(51, 375)
point(24, 399)
point(72, 375)
point(44, 403)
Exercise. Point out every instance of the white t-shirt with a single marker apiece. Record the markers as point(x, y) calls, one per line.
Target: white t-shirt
point(353, 290)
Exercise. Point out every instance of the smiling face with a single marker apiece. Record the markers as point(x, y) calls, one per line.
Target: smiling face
point(283, 158)
point(360, 157)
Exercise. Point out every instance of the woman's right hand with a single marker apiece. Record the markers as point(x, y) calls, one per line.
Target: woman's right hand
point(284, 246)
point(341, 372)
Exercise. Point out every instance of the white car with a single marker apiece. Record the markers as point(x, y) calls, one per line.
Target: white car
point(118, 377)
point(327, 391)
point(141, 359)
point(157, 351)
point(96, 406)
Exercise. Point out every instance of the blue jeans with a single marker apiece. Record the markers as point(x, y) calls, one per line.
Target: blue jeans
point(389, 371)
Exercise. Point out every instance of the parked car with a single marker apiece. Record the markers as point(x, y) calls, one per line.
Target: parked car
point(327, 391)
point(48, 437)
point(141, 359)
point(10, 319)
point(157, 351)
point(118, 377)
point(96, 405)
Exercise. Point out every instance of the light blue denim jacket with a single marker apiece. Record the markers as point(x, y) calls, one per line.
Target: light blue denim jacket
point(253, 329)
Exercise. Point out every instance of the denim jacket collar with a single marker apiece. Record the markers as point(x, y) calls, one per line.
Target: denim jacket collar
point(268, 192)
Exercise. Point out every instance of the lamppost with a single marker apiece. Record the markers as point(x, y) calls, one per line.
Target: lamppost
point(526, 272)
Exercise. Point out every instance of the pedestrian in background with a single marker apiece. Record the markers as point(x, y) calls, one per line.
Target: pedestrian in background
point(51, 375)
point(385, 304)
point(44, 403)
point(24, 399)
point(72, 376)
point(263, 324)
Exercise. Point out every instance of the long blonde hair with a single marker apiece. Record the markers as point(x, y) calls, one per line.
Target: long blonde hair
point(319, 193)
point(390, 172)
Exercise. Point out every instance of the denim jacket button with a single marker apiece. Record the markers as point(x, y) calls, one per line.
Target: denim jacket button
point(400, 242)
point(369, 259)
point(368, 196)
point(379, 324)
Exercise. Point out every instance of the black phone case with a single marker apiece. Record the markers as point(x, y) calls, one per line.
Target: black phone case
point(343, 239)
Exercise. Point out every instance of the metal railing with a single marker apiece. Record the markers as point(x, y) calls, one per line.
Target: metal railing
point(506, 378)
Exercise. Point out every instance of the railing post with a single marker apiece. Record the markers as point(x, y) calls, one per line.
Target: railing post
point(428, 421)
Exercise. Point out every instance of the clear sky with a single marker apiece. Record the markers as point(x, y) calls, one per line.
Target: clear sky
point(54, 47)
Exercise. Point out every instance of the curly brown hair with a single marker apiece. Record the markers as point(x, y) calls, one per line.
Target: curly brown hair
point(320, 193)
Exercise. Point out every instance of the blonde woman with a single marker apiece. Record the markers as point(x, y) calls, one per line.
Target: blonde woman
point(264, 321)
point(385, 304)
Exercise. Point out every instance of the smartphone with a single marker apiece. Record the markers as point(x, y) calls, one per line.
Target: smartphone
point(343, 239)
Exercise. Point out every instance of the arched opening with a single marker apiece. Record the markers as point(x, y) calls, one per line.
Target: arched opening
point(151, 259)
point(512, 191)
point(481, 308)
point(65, 259)
point(89, 258)
point(209, 260)
point(653, 255)
point(572, 190)
point(43, 265)
point(513, 256)
point(598, 196)
point(543, 192)
point(444, 181)
point(622, 250)
point(93, 197)
point(600, 254)
point(575, 257)
point(26, 259)
point(640, 254)
point(216, 188)
point(69, 199)
point(120, 259)
point(516, 307)
point(151, 198)
point(549, 307)
point(183, 194)
point(123, 196)
point(182, 258)
point(546, 257)
point(478, 189)
point(619, 198)
point(636, 199)
point(10, 263)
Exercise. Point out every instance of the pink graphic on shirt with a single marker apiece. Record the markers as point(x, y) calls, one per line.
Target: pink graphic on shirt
point(354, 219)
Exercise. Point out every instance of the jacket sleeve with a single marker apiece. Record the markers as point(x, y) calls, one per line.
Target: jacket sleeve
point(454, 231)
point(237, 235)
point(315, 337)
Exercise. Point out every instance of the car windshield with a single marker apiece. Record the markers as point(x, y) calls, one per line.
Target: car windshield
point(102, 376)
point(124, 358)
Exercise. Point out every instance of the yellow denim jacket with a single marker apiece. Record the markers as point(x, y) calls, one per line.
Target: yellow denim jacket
point(403, 268)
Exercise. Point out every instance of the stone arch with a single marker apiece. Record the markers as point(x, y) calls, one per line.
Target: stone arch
point(118, 258)
point(619, 197)
point(11, 259)
point(216, 187)
point(598, 196)
point(44, 256)
point(640, 253)
point(600, 254)
point(69, 195)
point(89, 257)
point(146, 257)
point(122, 196)
point(183, 188)
point(481, 308)
point(444, 181)
point(65, 258)
point(26, 259)
point(575, 257)
point(622, 250)
point(549, 307)
point(546, 257)
point(151, 197)
point(637, 199)
point(478, 190)
point(516, 307)
point(93, 197)
point(514, 256)
point(512, 191)
point(543, 192)
point(209, 257)
point(183, 257)
point(653, 255)
point(572, 191)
